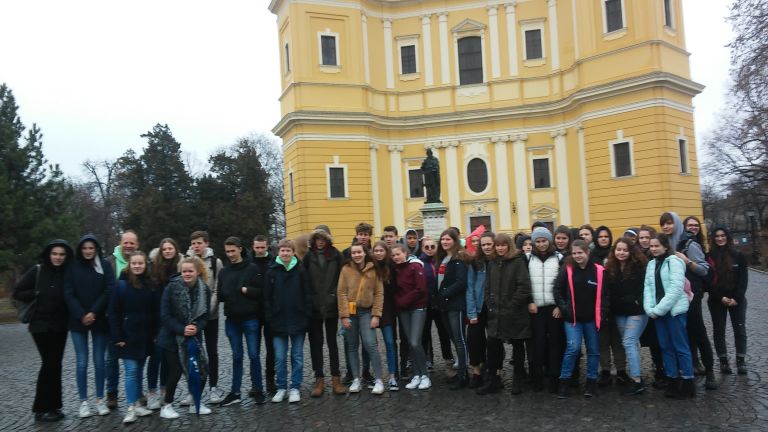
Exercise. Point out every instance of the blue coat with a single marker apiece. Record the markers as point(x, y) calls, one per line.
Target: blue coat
point(134, 314)
point(672, 278)
point(86, 290)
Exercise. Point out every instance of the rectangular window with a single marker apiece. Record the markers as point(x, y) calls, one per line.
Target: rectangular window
point(476, 221)
point(336, 181)
point(290, 188)
point(622, 159)
point(682, 146)
point(470, 60)
point(541, 173)
point(408, 59)
point(668, 14)
point(287, 59)
point(415, 183)
point(533, 48)
point(328, 46)
point(613, 15)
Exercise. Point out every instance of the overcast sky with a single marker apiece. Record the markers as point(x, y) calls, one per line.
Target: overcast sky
point(94, 75)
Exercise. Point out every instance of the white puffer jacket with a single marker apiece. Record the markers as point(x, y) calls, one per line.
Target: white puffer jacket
point(543, 275)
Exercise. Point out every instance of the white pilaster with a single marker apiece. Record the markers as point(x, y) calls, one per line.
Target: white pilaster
point(451, 169)
point(395, 167)
point(445, 69)
point(493, 28)
point(388, 62)
point(583, 166)
point(512, 38)
point(502, 181)
point(374, 148)
point(574, 12)
point(555, 45)
point(561, 163)
point(521, 182)
point(426, 31)
point(366, 65)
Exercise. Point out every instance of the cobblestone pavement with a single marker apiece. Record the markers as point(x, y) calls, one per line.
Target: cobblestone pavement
point(741, 403)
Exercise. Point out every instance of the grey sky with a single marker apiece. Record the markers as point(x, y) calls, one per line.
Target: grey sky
point(94, 75)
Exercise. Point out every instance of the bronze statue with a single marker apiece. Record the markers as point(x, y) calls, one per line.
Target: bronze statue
point(430, 169)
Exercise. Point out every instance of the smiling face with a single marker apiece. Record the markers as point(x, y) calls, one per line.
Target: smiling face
point(129, 243)
point(621, 251)
point(446, 242)
point(379, 253)
point(357, 253)
point(542, 244)
point(561, 241)
point(668, 228)
point(189, 273)
point(721, 239)
point(138, 264)
point(693, 226)
point(580, 256)
point(286, 254)
point(168, 250)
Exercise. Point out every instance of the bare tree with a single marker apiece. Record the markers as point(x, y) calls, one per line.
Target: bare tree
point(106, 202)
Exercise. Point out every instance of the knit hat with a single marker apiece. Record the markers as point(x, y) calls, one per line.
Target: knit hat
point(541, 232)
point(520, 240)
point(324, 228)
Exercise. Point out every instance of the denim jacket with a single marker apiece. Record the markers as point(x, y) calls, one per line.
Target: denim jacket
point(475, 291)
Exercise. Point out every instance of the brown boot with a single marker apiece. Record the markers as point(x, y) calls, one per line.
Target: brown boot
point(319, 388)
point(338, 387)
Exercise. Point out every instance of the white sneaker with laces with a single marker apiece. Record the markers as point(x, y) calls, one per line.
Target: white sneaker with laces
point(294, 395)
point(215, 395)
point(187, 401)
point(204, 410)
point(355, 386)
point(130, 415)
point(85, 410)
point(425, 382)
point(414, 384)
point(101, 408)
point(279, 396)
point(167, 412)
point(378, 387)
point(153, 402)
point(141, 411)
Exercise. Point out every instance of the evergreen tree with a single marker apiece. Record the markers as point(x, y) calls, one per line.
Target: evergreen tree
point(36, 203)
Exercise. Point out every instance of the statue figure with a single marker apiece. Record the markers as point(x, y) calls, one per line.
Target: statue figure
point(430, 169)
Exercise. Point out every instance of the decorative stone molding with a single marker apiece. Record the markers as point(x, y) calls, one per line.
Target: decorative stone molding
point(394, 148)
point(558, 133)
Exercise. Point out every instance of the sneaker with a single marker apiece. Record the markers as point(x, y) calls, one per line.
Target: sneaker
point(378, 387)
point(355, 386)
point(167, 412)
point(130, 415)
point(204, 410)
point(141, 411)
point(101, 408)
point(635, 388)
point(294, 395)
point(393, 385)
point(85, 410)
point(231, 399)
point(425, 383)
point(279, 396)
point(414, 384)
point(258, 396)
point(215, 396)
point(187, 401)
point(153, 402)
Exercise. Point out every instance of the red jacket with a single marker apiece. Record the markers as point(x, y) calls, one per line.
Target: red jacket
point(411, 286)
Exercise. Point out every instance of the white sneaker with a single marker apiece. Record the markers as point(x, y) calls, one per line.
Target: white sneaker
point(414, 384)
point(425, 382)
point(101, 408)
point(141, 411)
point(130, 415)
point(294, 395)
point(187, 401)
point(203, 409)
point(378, 387)
point(215, 396)
point(355, 386)
point(279, 396)
point(153, 402)
point(85, 410)
point(167, 412)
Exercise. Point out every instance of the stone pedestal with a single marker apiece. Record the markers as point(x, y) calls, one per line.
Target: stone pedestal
point(435, 222)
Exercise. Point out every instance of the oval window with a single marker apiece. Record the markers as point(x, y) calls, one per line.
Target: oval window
point(477, 175)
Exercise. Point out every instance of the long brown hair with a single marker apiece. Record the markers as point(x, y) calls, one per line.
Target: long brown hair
point(635, 263)
point(136, 280)
point(384, 264)
point(479, 260)
point(457, 252)
point(163, 268)
point(368, 258)
point(505, 239)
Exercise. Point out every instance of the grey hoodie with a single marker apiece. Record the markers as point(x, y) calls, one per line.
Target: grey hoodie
point(694, 253)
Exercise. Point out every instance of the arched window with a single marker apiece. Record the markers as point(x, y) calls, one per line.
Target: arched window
point(477, 175)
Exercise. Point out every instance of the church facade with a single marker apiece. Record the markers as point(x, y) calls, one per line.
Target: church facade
point(561, 111)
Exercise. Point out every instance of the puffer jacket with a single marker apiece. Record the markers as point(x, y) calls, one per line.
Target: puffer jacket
point(543, 276)
point(507, 290)
point(672, 277)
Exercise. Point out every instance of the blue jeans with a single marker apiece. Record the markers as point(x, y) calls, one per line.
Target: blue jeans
point(388, 333)
point(235, 331)
point(361, 329)
point(155, 366)
point(281, 360)
point(631, 328)
point(134, 370)
point(673, 340)
point(80, 342)
point(574, 335)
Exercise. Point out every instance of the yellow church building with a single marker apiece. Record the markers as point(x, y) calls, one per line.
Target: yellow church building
point(561, 111)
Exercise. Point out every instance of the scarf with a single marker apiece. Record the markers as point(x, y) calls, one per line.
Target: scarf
point(188, 309)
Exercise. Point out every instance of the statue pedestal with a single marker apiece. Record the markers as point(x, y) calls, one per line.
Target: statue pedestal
point(435, 222)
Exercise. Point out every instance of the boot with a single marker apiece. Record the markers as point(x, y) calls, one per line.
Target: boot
point(517, 381)
point(687, 389)
point(271, 385)
point(461, 381)
point(741, 366)
point(562, 388)
point(725, 368)
point(590, 390)
point(622, 378)
point(710, 382)
point(319, 388)
point(698, 368)
point(605, 378)
point(491, 384)
point(673, 388)
point(574, 382)
point(475, 381)
point(538, 382)
point(338, 387)
point(112, 400)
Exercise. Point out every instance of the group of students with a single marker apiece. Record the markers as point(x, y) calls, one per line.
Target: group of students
point(542, 293)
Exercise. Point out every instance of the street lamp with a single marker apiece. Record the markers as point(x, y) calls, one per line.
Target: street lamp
point(755, 241)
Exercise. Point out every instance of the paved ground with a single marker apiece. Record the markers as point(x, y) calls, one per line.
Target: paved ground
point(741, 403)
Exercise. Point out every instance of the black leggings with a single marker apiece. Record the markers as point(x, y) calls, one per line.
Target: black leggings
point(697, 333)
point(738, 315)
point(476, 339)
point(548, 342)
point(316, 328)
point(454, 321)
point(496, 354)
point(442, 333)
point(211, 333)
point(50, 345)
point(174, 374)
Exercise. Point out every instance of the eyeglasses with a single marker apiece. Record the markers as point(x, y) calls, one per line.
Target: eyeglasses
point(430, 247)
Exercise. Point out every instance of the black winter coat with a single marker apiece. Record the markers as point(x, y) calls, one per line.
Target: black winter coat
point(506, 296)
point(239, 306)
point(626, 293)
point(451, 294)
point(323, 279)
point(134, 318)
point(287, 299)
point(86, 290)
